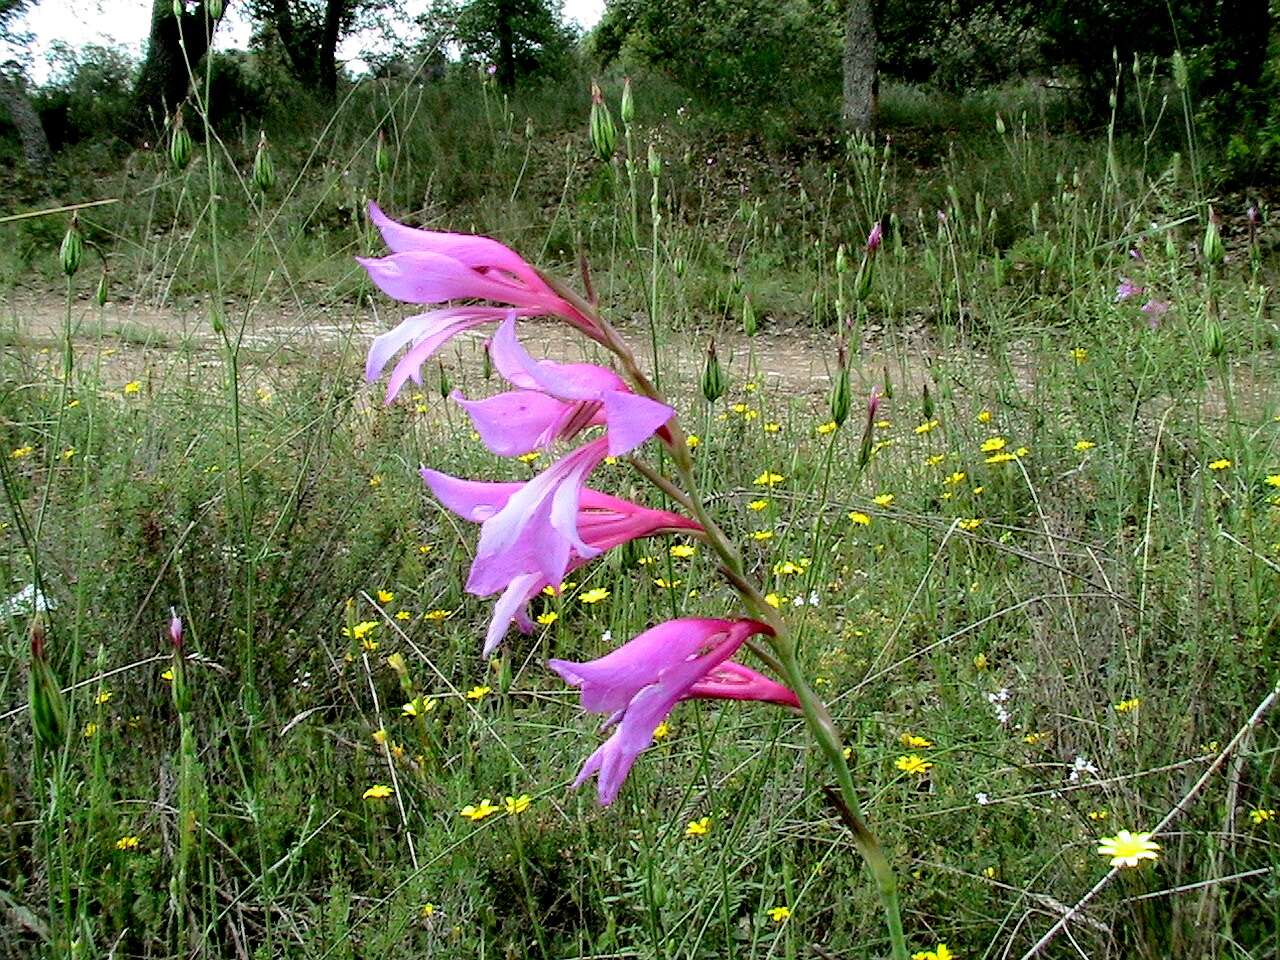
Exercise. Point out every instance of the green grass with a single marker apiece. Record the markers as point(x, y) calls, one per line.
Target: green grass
point(1076, 577)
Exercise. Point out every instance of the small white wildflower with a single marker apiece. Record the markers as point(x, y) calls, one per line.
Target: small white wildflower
point(982, 799)
point(606, 637)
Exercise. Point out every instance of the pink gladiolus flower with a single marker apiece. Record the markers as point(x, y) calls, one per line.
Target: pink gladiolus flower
point(1155, 311)
point(875, 237)
point(426, 266)
point(733, 681)
point(603, 522)
point(556, 401)
point(1127, 288)
point(638, 684)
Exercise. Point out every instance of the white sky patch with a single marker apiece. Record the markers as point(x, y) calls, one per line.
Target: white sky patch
point(125, 24)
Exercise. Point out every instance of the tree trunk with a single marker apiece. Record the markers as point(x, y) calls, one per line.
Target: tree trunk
point(35, 144)
point(164, 79)
point(312, 52)
point(861, 82)
point(328, 65)
point(506, 46)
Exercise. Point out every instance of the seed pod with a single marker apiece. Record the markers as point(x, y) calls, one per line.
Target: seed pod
point(868, 430)
point(713, 379)
point(381, 159)
point(842, 260)
point(627, 110)
point(655, 163)
point(100, 295)
point(999, 124)
point(528, 128)
point(603, 135)
point(179, 143)
point(215, 9)
point(72, 250)
point(264, 171)
point(48, 709)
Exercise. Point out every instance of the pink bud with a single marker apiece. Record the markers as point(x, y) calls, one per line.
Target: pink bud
point(875, 237)
point(175, 628)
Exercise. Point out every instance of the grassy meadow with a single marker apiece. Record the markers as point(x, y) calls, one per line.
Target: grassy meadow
point(1045, 611)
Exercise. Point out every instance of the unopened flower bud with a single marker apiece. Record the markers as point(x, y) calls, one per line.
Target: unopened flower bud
point(999, 124)
point(179, 143)
point(713, 379)
point(678, 267)
point(1212, 248)
point(841, 396)
point(100, 295)
point(528, 128)
point(842, 260)
point(1213, 341)
point(72, 251)
point(888, 385)
point(926, 404)
point(175, 628)
point(264, 171)
point(868, 430)
point(627, 110)
point(875, 237)
point(179, 8)
point(445, 386)
point(381, 158)
point(862, 282)
point(215, 9)
point(655, 163)
point(603, 135)
point(748, 317)
point(44, 696)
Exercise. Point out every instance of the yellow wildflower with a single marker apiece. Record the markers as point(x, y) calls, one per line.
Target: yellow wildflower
point(128, 842)
point(529, 457)
point(1222, 463)
point(1127, 706)
point(1273, 480)
point(927, 426)
point(1127, 849)
point(666, 584)
point(861, 519)
point(940, 952)
point(915, 742)
point(418, 706)
point(973, 523)
point(1097, 816)
point(594, 595)
point(379, 791)
point(984, 416)
point(167, 676)
point(428, 911)
point(514, 805)
point(90, 729)
point(368, 645)
point(1079, 355)
point(954, 479)
point(768, 479)
point(913, 763)
point(403, 615)
point(761, 504)
point(661, 731)
point(103, 697)
point(772, 427)
point(992, 444)
point(20, 453)
point(779, 914)
point(132, 388)
point(360, 630)
point(762, 535)
point(773, 600)
point(479, 811)
point(698, 828)
point(882, 499)
point(385, 596)
point(980, 662)
point(934, 460)
point(683, 551)
point(1260, 815)
point(826, 428)
point(379, 736)
point(692, 440)
point(1082, 445)
point(548, 618)
point(437, 615)
point(479, 692)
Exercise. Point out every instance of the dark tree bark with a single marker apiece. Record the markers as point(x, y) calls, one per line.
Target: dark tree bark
point(164, 79)
point(312, 48)
point(35, 143)
point(506, 45)
point(861, 82)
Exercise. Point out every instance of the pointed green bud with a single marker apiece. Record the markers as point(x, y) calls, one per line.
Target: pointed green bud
point(215, 9)
point(627, 110)
point(842, 260)
point(179, 8)
point(100, 295)
point(888, 385)
point(999, 124)
point(1213, 250)
point(528, 128)
point(926, 404)
point(72, 250)
point(445, 385)
point(179, 143)
point(48, 708)
point(381, 157)
point(655, 162)
point(841, 393)
point(713, 379)
point(603, 135)
point(1179, 70)
point(264, 171)
point(748, 317)
point(1214, 345)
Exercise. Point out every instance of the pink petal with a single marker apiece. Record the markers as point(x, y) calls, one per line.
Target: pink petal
point(632, 420)
point(514, 423)
point(472, 500)
point(510, 606)
point(420, 276)
point(570, 381)
point(733, 681)
point(428, 331)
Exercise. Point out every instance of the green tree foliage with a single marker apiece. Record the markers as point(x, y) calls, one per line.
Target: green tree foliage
point(521, 38)
point(745, 53)
point(309, 32)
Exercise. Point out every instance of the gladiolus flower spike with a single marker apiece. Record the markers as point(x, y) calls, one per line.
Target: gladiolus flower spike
point(640, 683)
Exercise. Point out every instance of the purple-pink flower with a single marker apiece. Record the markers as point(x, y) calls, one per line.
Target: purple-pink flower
point(602, 522)
point(640, 683)
point(1127, 288)
point(556, 401)
point(875, 237)
point(1155, 311)
point(431, 267)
